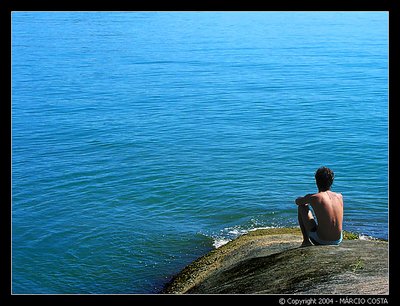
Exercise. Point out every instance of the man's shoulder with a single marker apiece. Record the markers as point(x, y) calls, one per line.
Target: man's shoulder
point(316, 197)
point(338, 194)
point(321, 194)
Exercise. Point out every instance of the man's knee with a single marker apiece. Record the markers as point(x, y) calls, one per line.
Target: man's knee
point(303, 209)
point(305, 212)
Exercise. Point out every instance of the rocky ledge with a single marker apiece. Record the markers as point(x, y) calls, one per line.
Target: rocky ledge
point(271, 261)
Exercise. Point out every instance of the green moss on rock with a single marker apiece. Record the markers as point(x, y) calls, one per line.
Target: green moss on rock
point(350, 235)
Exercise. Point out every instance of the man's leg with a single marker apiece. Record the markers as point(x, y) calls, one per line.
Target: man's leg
point(306, 222)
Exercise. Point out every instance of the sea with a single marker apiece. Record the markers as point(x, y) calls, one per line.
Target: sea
point(143, 140)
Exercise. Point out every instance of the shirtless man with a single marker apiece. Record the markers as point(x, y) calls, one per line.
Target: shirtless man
point(328, 210)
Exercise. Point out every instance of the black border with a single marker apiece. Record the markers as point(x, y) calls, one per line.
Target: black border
point(8, 6)
point(172, 5)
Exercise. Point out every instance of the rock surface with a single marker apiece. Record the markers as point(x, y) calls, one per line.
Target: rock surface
point(270, 261)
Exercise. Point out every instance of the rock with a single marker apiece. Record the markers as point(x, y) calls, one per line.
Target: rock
point(270, 261)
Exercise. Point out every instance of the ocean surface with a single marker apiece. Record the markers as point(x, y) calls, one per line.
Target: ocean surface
point(142, 140)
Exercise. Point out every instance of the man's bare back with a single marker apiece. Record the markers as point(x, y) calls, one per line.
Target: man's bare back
point(328, 209)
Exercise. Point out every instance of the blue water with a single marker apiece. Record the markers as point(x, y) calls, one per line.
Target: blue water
point(142, 140)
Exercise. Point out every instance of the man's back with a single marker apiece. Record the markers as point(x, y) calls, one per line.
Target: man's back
point(328, 208)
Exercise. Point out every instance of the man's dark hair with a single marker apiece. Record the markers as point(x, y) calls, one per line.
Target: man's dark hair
point(324, 178)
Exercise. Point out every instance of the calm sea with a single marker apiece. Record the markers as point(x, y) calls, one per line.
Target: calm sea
point(142, 140)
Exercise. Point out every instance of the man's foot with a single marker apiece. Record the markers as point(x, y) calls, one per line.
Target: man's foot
point(306, 243)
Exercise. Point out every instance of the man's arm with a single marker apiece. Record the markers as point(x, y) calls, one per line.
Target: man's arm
point(304, 200)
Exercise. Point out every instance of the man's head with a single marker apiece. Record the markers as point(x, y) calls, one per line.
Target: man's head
point(324, 178)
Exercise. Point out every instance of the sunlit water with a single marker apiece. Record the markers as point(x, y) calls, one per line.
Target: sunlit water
point(140, 141)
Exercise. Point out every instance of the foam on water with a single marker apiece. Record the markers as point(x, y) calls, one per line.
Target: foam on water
point(230, 233)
